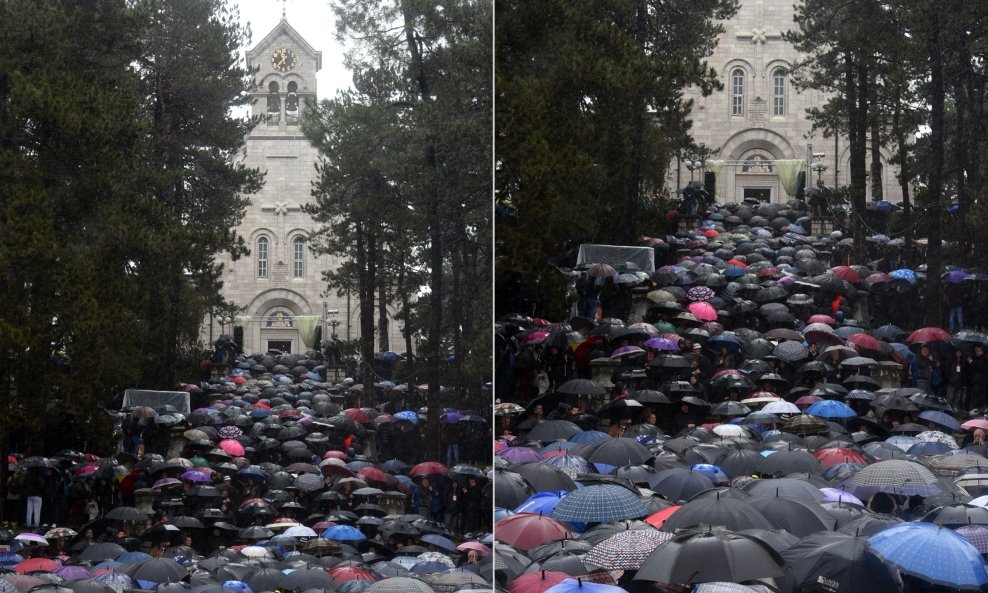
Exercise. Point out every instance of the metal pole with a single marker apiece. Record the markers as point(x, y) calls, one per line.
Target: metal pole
point(809, 162)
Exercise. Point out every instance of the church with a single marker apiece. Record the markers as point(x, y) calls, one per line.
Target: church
point(758, 120)
point(278, 290)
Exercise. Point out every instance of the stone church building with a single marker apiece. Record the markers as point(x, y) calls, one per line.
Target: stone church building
point(278, 288)
point(759, 117)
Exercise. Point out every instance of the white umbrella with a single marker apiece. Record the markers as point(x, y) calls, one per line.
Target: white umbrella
point(32, 538)
point(782, 407)
point(300, 531)
point(256, 552)
point(729, 430)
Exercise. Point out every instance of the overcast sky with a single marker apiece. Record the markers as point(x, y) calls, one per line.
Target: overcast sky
point(314, 21)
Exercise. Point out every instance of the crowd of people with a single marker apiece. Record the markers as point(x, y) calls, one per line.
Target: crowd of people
point(271, 479)
point(756, 413)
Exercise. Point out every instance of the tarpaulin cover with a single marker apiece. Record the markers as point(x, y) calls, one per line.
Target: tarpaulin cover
point(157, 399)
point(615, 255)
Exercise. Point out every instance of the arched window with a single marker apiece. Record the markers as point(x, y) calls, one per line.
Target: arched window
point(298, 257)
point(737, 91)
point(291, 103)
point(274, 103)
point(262, 257)
point(778, 92)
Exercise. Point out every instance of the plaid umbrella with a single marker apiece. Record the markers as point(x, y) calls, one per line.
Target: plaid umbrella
point(626, 550)
point(977, 535)
point(60, 533)
point(895, 476)
point(507, 408)
point(399, 585)
point(600, 504)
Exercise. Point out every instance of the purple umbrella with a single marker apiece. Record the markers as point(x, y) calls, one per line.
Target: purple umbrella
point(519, 454)
point(452, 417)
point(659, 343)
point(72, 573)
point(838, 495)
point(626, 351)
point(955, 276)
point(196, 476)
point(164, 482)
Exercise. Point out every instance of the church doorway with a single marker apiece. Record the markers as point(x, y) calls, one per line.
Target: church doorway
point(283, 346)
point(762, 194)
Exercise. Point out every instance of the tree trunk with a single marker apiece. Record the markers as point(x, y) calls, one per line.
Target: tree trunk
point(877, 192)
point(383, 343)
point(904, 169)
point(367, 313)
point(856, 77)
point(934, 248)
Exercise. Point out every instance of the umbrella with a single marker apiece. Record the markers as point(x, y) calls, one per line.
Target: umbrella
point(157, 570)
point(343, 533)
point(977, 535)
point(926, 335)
point(528, 530)
point(600, 504)
point(725, 511)
point(904, 274)
point(700, 294)
point(795, 515)
point(545, 477)
point(553, 430)
point(791, 351)
point(680, 484)
point(931, 553)
point(581, 387)
point(537, 582)
point(571, 585)
point(126, 514)
point(831, 409)
point(711, 554)
point(36, 565)
point(31, 538)
point(895, 476)
point(841, 559)
point(625, 550)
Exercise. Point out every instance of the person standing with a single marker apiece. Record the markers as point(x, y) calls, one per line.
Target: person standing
point(977, 377)
point(34, 490)
point(955, 373)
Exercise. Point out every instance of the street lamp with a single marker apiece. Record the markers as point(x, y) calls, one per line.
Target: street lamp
point(694, 164)
point(819, 167)
point(333, 321)
point(224, 321)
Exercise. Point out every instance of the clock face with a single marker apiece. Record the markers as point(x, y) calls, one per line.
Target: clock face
point(283, 59)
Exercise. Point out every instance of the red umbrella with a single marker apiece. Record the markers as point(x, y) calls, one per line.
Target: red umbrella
point(373, 474)
point(847, 274)
point(975, 424)
point(928, 334)
point(657, 519)
point(344, 574)
point(703, 311)
point(864, 341)
point(357, 415)
point(734, 262)
point(528, 530)
point(537, 582)
point(710, 233)
point(825, 319)
point(427, 468)
point(232, 447)
point(36, 565)
point(22, 582)
point(808, 400)
point(835, 455)
point(336, 454)
point(534, 338)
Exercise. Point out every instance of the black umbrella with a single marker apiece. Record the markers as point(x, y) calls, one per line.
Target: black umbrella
point(511, 489)
point(844, 560)
point(618, 452)
point(739, 462)
point(679, 484)
point(553, 430)
point(100, 551)
point(126, 514)
point(725, 511)
point(650, 397)
point(545, 478)
point(581, 387)
point(795, 515)
point(788, 462)
point(156, 570)
point(265, 578)
point(309, 578)
point(711, 555)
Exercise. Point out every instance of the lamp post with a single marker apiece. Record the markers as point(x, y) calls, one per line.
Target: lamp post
point(224, 320)
point(694, 164)
point(819, 167)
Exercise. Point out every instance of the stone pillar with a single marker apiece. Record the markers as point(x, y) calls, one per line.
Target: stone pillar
point(639, 305)
point(144, 499)
point(822, 226)
point(602, 369)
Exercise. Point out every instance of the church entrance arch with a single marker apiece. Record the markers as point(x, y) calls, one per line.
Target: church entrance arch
point(272, 321)
point(753, 174)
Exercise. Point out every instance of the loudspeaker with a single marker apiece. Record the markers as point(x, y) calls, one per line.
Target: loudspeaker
point(238, 337)
point(710, 185)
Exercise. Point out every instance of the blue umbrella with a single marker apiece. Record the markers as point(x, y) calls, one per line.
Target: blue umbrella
point(342, 533)
point(8, 560)
point(933, 554)
point(600, 504)
point(572, 585)
point(541, 503)
point(571, 464)
point(711, 471)
point(904, 274)
point(501, 513)
point(589, 436)
point(724, 341)
point(829, 408)
point(408, 416)
point(557, 446)
point(927, 449)
point(439, 541)
point(942, 418)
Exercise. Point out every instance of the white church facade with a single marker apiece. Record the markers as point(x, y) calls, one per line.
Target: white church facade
point(278, 290)
point(759, 117)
